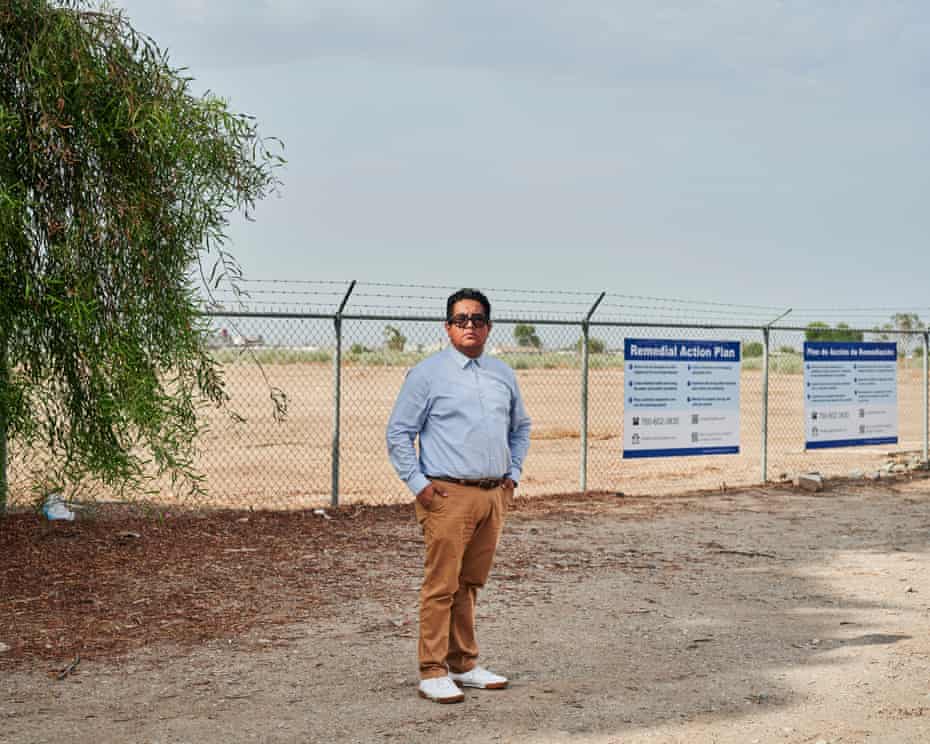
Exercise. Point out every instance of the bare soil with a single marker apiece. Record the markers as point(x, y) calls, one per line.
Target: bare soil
point(764, 615)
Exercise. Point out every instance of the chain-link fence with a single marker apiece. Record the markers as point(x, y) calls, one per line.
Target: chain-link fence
point(340, 365)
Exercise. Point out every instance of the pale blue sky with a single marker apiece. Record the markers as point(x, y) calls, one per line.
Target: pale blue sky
point(737, 150)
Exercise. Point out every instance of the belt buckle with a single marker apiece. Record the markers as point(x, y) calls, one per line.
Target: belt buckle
point(487, 484)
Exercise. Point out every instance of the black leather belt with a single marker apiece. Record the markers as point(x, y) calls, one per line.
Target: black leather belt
point(485, 483)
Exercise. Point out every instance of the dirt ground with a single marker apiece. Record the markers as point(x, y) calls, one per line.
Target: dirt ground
point(744, 616)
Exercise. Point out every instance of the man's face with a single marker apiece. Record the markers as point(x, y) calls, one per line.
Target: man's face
point(471, 338)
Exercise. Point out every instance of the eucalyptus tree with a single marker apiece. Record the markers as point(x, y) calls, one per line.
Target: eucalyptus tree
point(116, 186)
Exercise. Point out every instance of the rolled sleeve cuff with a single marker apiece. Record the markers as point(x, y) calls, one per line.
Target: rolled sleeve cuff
point(417, 482)
point(515, 474)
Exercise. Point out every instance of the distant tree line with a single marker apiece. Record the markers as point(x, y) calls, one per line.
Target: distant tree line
point(819, 331)
point(902, 328)
point(526, 337)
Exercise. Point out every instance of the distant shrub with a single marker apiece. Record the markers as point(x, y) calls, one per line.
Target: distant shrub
point(250, 355)
point(785, 364)
point(394, 340)
point(525, 335)
point(595, 345)
point(752, 349)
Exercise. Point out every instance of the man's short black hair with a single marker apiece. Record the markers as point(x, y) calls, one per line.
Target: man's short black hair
point(468, 294)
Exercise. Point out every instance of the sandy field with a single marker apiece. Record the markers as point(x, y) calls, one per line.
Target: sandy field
point(262, 463)
point(266, 464)
point(747, 617)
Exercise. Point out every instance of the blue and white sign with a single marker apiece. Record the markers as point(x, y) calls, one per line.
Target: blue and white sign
point(850, 394)
point(680, 398)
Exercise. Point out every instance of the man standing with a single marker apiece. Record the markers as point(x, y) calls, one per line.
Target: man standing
point(474, 434)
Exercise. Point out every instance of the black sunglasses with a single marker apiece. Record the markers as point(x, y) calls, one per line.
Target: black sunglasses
point(478, 320)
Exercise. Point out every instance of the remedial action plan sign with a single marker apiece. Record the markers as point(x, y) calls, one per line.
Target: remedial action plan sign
point(680, 398)
point(850, 394)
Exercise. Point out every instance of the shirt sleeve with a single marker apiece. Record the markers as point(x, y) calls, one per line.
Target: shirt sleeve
point(519, 434)
point(404, 425)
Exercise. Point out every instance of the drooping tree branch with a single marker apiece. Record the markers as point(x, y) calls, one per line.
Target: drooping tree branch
point(115, 180)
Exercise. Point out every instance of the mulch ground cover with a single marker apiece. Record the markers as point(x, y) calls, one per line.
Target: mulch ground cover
point(123, 577)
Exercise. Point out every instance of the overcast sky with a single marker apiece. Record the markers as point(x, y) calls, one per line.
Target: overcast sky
point(736, 150)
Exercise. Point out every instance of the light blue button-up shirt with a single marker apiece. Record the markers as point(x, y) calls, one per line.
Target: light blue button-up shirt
point(469, 416)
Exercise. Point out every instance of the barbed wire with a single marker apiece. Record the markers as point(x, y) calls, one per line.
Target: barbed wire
point(221, 308)
point(274, 292)
point(496, 303)
point(343, 282)
point(897, 308)
point(386, 298)
point(486, 290)
point(587, 295)
point(697, 310)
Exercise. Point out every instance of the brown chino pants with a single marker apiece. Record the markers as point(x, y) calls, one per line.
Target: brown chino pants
point(461, 530)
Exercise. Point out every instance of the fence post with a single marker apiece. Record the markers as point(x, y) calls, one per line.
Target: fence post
point(4, 397)
point(926, 339)
point(765, 404)
point(585, 331)
point(337, 402)
point(766, 331)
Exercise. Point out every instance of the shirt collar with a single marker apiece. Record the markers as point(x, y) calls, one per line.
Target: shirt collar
point(461, 360)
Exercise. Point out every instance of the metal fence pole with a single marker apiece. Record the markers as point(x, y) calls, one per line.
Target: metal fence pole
point(584, 408)
point(4, 382)
point(585, 338)
point(337, 402)
point(926, 339)
point(766, 342)
point(765, 404)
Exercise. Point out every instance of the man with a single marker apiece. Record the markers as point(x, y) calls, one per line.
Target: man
point(474, 434)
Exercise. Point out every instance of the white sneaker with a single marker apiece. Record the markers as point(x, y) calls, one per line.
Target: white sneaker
point(440, 690)
point(479, 677)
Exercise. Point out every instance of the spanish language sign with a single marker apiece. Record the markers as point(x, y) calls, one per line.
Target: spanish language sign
point(680, 398)
point(850, 393)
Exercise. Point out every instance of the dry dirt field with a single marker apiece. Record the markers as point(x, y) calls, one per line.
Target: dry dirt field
point(266, 464)
point(730, 617)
